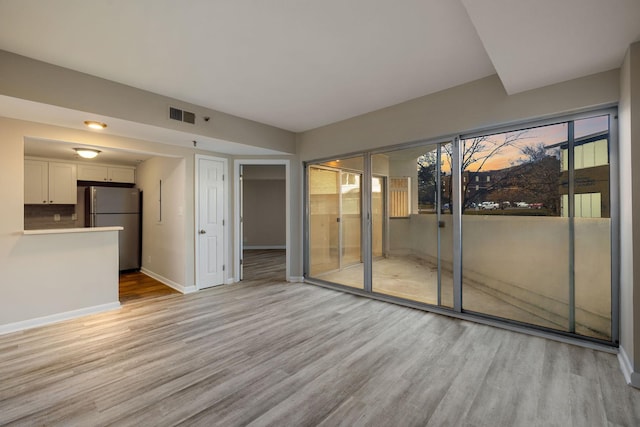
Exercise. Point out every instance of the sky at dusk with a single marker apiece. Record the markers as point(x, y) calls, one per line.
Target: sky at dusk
point(512, 154)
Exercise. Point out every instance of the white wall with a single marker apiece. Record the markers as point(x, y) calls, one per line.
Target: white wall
point(76, 271)
point(163, 253)
point(19, 281)
point(46, 275)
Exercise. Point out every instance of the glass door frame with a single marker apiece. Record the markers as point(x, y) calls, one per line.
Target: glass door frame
point(456, 200)
point(340, 220)
point(338, 173)
point(429, 146)
point(614, 184)
point(341, 210)
point(385, 220)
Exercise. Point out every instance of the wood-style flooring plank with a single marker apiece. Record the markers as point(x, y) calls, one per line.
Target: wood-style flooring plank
point(134, 286)
point(261, 265)
point(269, 353)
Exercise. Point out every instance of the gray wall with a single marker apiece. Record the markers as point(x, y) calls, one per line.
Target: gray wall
point(264, 206)
point(42, 216)
point(38, 81)
point(472, 106)
point(629, 127)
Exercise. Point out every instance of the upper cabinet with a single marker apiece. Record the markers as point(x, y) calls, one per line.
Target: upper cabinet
point(106, 173)
point(120, 174)
point(92, 173)
point(50, 183)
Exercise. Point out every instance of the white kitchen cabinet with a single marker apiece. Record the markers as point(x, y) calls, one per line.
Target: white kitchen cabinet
point(92, 173)
point(50, 183)
point(36, 182)
point(121, 174)
point(106, 173)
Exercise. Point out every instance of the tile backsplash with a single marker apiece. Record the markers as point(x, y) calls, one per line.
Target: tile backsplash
point(37, 217)
point(42, 217)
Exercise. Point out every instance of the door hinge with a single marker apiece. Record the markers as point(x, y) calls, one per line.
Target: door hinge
point(223, 267)
point(223, 222)
point(223, 177)
point(241, 262)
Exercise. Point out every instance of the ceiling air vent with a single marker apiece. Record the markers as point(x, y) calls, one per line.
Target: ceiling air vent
point(182, 116)
point(188, 117)
point(175, 114)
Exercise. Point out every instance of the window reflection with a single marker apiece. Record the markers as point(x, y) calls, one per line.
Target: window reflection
point(536, 227)
point(416, 260)
point(335, 221)
point(516, 226)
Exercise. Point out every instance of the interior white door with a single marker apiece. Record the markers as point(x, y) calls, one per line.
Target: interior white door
point(210, 233)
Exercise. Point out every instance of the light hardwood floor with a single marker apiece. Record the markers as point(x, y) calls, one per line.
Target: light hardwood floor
point(268, 353)
point(135, 286)
point(261, 265)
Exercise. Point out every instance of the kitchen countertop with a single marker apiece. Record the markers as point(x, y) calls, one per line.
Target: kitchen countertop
point(72, 230)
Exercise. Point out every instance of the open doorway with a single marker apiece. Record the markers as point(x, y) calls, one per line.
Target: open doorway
point(262, 220)
point(147, 268)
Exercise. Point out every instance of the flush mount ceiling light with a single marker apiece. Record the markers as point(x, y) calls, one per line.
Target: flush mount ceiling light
point(87, 153)
point(95, 125)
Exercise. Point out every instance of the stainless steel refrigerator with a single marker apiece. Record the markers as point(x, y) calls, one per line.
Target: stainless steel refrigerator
point(109, 206)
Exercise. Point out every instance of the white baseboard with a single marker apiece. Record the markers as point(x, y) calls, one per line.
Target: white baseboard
point(296, 279)
point(264, 247)
point(58, 317)
point(230, 281)
point(632, 378)
point(178, 287)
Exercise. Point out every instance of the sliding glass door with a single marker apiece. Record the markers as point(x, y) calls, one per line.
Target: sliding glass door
point(515, 224)
point(592, 227)
point(324, 213)
point(515, 243)
point(536, 226)
point(416, 262)
point(335, 222)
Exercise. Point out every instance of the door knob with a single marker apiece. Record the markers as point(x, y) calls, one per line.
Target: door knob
point(203, 231)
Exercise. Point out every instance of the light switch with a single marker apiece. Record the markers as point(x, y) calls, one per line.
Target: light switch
point(56, 217)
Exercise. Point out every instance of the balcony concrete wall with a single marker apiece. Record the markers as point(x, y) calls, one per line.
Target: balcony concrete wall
point(523, 261)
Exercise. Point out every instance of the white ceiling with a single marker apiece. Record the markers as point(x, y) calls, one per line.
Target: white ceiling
point(302, 64)
point(536, 43)
point(58, 116)
point(64, 150)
